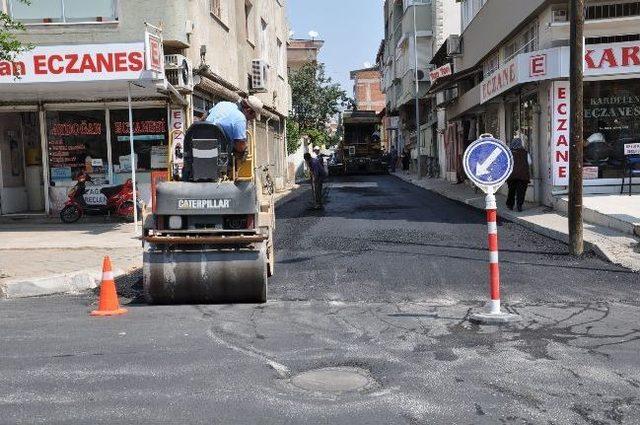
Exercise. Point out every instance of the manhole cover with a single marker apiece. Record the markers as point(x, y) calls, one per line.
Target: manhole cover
point(334, 380)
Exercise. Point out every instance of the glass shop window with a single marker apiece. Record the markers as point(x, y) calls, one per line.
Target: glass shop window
point(611, 120)
point(77, 142)
point(149, 136)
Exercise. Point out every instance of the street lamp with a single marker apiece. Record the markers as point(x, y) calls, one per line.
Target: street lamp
point(415, 55)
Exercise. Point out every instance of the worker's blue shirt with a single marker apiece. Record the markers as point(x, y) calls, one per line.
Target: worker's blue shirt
point(230, 119)
point(317, 169)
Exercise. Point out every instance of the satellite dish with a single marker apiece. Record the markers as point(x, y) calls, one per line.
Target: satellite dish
point(313, 34)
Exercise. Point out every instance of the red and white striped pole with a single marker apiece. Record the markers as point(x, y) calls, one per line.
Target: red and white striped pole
point(494, 265)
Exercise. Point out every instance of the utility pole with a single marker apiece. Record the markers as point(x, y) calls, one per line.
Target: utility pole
point(576, 243)
point(415, 55)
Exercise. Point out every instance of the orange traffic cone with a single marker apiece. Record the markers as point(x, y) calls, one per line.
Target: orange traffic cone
point(108, 305)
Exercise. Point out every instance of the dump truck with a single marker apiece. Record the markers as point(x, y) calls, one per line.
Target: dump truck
point(209, 236)
point(360, 151)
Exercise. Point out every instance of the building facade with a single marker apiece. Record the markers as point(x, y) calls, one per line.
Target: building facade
point(367, 90)
point(413, 26)
point(68, 111)
point(511, 75)
point(303, 51)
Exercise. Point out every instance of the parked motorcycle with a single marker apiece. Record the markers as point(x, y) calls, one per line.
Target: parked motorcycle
point(119, 201)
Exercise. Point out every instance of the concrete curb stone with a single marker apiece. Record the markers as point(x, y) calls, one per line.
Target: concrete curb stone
point(73, 282)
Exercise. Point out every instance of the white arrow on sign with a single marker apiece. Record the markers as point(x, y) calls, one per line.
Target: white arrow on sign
point(483, 169)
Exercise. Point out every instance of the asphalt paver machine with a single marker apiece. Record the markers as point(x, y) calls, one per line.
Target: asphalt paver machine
point(209, 236)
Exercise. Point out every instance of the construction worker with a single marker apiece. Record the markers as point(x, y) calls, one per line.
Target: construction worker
point(318, 175)
point(232, 119)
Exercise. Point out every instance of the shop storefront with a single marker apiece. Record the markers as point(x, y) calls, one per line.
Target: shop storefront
point(611, 120)
point(97, 142)
point(533, 93)
point(67, 112)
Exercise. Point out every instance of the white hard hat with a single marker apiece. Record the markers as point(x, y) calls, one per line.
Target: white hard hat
point(256, 104)
point(316, 148)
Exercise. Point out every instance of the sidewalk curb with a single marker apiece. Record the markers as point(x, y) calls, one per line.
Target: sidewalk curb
point(286, 194)
point(81, 280)
point(601, 249)
point(67, 283)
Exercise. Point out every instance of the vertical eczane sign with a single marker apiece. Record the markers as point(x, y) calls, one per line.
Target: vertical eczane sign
point(560, 115)
point(154, 54)
point(176, 129)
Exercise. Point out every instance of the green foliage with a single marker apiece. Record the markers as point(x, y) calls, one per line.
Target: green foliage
point(10, 46)
point(316, 98)
point(318, 137)
point(293, 136)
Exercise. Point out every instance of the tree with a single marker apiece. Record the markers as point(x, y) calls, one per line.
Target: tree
point(10, 46)
point(315, 99)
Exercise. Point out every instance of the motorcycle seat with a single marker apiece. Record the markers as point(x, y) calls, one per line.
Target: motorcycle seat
point(110, 191)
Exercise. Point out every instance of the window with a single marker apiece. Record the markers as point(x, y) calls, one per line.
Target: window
point(491, 65)
point(612, 39)
point(509, 51)
point(530, 39)
point(64, 11)
point(149, 136)
point(215, 8)
point(249, 22)
point(281, 57)
point(264, 40)
point(611, 110)
point(612, 10)
point(560, 15)
point(77, 142)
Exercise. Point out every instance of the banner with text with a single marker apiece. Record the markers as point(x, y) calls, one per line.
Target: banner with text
point(560, 114)
point(76, 63)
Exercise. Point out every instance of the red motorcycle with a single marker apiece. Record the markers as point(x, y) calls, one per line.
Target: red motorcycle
point(119, 201)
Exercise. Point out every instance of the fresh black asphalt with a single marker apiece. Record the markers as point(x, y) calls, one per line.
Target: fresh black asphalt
point(381, 280)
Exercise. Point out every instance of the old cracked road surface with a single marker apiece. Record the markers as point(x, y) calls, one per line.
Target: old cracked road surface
point(379, 283)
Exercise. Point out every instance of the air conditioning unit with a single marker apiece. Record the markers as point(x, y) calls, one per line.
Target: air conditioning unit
point(453, 45)
point(560, 15)
point(259, 75)
point(179, 72)
point(423, 75)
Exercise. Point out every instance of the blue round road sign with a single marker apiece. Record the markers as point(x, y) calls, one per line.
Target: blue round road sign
point(488, 163)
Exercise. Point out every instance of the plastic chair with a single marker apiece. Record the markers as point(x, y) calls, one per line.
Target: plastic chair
point(631, 169)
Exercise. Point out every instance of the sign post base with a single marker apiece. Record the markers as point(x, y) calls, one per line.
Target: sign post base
point(489, 318)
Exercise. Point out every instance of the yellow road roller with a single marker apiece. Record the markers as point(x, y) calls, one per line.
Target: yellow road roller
point(209, 235)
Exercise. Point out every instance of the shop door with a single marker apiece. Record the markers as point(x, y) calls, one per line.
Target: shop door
point(21, 185)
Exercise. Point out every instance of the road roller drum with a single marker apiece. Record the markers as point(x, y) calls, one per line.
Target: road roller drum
point(205, 275)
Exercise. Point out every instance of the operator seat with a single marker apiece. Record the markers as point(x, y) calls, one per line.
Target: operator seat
point(207, 153)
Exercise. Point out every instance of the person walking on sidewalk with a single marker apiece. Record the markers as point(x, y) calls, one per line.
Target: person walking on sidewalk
point(519, 179)
point(393, 158)
point(406, 159)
